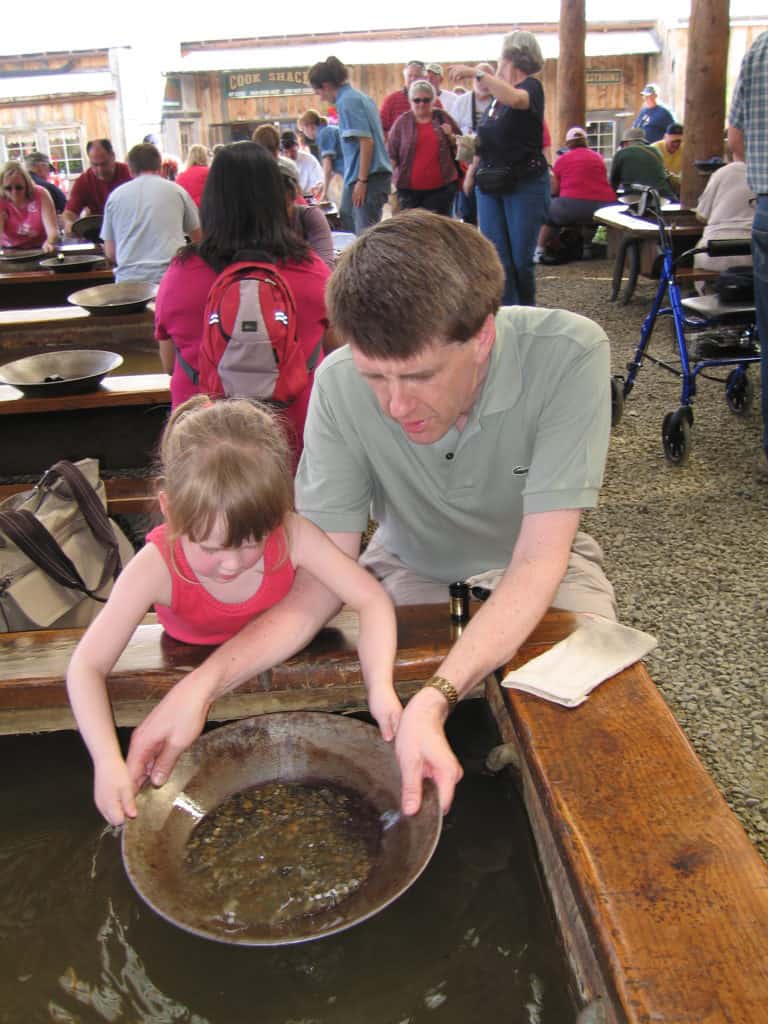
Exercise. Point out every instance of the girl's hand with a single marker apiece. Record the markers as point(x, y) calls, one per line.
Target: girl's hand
point(113, 792)
point(385, 706)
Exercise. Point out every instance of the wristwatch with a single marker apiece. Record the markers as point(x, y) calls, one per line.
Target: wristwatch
point(447, 689)
point(479, 75)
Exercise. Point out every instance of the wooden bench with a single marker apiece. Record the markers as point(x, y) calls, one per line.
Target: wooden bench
point(125, 495)
point(661, 898)
point(26, 332)
point(119, 424)
point(23, 288)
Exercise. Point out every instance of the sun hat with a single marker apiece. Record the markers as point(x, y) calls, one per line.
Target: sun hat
point(575, 133)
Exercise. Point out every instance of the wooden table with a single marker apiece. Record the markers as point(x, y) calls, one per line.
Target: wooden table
point(636, 242)
point(22, 288)
point(119, 423)
point(26, 332)
point(661, 898)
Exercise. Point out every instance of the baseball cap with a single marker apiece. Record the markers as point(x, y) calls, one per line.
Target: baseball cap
point(436, 69)
point(38, 158)
point(633, 135)
point(575, 133)
point(650, 89)
point(420, 63)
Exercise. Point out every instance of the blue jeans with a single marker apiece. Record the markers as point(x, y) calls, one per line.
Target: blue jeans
point(760, 263)
point(512, 223)
point(362, 217)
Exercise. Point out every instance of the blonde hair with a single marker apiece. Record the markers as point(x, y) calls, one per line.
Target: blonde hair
point(197, 156)
point(267, 136)
point(226, 461)
point(14, 167)
point(313, 116)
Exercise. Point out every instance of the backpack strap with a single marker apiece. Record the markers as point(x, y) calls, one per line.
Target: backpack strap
point(189, 370)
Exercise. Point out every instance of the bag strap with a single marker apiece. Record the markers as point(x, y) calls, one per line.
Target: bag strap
point(41, 547)
point(91, 508)
point(190, 371)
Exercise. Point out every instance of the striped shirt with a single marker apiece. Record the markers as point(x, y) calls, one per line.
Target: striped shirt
point(749, 112)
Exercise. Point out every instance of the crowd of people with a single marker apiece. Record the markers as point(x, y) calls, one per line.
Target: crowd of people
point(432, 362)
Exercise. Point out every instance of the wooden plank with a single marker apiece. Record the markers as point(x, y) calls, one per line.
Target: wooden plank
point(639, 842)
point(133, 389)
point(125, 495)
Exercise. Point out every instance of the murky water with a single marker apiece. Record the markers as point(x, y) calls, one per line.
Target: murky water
point(471, 941)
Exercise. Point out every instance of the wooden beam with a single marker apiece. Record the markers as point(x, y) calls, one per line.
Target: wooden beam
point(705, 77)
point(571, 81)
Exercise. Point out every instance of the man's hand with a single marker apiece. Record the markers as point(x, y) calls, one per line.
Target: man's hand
point(166, 733)
point(359, 193)
point(423, 751)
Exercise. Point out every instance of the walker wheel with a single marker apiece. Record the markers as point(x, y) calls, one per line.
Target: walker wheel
point(739, 392)
point(676, 436)
point(617, 399)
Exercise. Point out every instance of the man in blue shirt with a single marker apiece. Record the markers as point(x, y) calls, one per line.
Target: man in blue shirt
point(367, 170)
point(748, 138)
point(653, 118)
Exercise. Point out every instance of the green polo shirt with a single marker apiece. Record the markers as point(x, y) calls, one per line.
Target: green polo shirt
point(535, 441)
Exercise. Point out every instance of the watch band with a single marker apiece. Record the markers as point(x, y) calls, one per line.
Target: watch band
point(447, 689)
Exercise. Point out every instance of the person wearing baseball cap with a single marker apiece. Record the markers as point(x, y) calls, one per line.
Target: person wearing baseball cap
point(579, 187)
point(39, 166)
point(637, 163)
point(435, 79)
point(670, 149)
point(397, 102)
point(652, 118)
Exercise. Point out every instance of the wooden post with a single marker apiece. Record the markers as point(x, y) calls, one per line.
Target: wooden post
point(705, 75)
point(571, 83)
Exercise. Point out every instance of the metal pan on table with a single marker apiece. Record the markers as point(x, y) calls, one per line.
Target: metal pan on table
point(53, 374)
point(88, 227)
point(287, 747)
point(112, 299)
point(20, 255)
point(64, 263)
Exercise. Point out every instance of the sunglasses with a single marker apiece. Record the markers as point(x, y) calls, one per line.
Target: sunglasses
point(421, 99)
point(15, 188)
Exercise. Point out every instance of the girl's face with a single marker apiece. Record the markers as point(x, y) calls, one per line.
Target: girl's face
point(310, 130)
point(210, 560)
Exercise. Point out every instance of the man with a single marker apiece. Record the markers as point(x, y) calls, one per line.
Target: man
point(670, 149)
point(447, 99)
point(39, 166)
point(397, 102)
point(310, 171)
point(468, 112)
point(90, 191)
point(748, 138)
point(637, 163)
point(652, 118)
point(146, 220)
point(473, 435)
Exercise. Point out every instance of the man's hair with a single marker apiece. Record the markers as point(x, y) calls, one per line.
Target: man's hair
point(412, 280)
point(144, 158)
point(105, 144)
point(267, 136)
point(330, 71)
point(523, 50)
point(674, 129)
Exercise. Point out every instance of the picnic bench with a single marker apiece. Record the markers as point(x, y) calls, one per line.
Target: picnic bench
point(119, 423)
point(27, 332)
point(634, 242)
point(661, 899)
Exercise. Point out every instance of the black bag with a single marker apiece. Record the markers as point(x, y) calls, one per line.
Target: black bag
point(496, 181)
point(735, 284)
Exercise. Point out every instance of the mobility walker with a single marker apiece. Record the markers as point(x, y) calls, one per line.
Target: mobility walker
point(727, 336)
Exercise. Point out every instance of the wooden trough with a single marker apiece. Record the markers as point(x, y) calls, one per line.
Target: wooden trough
point(661, 899)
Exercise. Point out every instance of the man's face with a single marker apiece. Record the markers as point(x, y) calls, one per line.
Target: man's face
point(42, 170)
point(431, 392)
point(650, 99)
point(102, 163)
point(413, 73)
point(290, 151)
point(673, 142)
point(325, 92)
point(435, 80)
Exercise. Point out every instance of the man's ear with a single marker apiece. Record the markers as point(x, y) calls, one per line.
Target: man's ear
point(486, 337)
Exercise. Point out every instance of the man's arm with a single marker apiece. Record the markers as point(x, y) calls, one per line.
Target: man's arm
point(266, 641)
point(110, 251)
point(736, 142)
point(491, 638)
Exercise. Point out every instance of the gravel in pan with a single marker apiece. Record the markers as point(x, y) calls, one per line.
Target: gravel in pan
point(686, 547)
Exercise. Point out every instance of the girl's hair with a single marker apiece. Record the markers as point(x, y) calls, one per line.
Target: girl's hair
point(313, 116)
point(197, 156)
point(331, 71)
point(419, 86)
point(267, 136)
point(523, 50)
point(242, 210)
point(225, 461)
point(14, 167)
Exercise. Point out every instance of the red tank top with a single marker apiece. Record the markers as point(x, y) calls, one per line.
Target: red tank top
point(195, 616)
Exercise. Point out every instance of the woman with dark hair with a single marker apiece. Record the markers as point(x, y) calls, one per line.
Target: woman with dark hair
point(367, 170)
point(509, 172)
point(309, 222)
point(244, 215)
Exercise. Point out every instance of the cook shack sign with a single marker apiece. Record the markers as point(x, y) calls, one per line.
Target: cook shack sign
point(265, 82)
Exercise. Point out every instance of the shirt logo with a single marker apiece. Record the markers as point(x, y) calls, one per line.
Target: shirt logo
point(520, 470)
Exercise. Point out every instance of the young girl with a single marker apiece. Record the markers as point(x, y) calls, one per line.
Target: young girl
point(228, 550)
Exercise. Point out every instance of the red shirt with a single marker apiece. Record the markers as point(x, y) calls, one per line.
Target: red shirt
point(582, 175)
point(425, 171)
point(193, 180)
point(197, 617)
point(93, 192)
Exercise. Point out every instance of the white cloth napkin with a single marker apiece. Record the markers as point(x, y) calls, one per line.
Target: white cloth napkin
point(569, 671)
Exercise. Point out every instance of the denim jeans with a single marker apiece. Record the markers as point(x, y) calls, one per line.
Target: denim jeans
point(362, 217)
point(760, 263)
point(512, 223)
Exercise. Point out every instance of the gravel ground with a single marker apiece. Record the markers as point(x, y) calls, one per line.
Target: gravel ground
point(686, 546)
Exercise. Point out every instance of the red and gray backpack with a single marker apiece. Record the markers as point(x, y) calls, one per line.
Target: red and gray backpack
point(250, 348)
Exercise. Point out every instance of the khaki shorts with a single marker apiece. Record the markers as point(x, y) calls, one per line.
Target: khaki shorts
point(584, 588)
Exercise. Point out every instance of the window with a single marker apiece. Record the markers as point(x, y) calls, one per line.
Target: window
point(65, 148)
point(19, 145)
point(601, 136)
point(186, 137)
